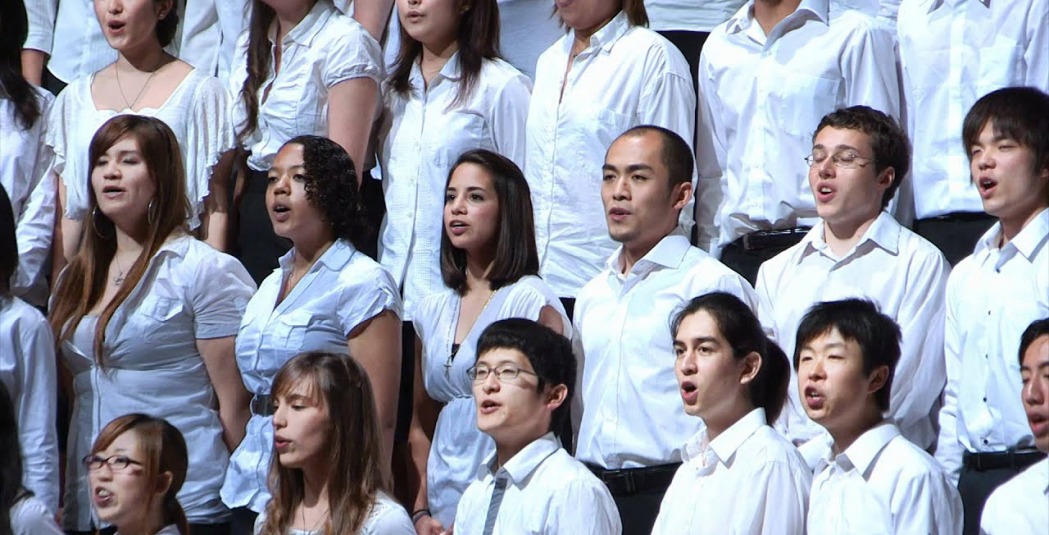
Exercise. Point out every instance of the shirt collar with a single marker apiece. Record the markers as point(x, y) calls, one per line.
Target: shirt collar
point(310, 25)
point(884, 232)
point(606, 37)
point(521, 466)
point(669, 252)
point(864, 451)
point(1028, 242)
point(933, 5)
point(337, 256)
point(449, 71)
point(743, 18)
point(726, 444)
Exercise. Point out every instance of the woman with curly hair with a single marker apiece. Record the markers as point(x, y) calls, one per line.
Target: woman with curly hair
point(325, 296)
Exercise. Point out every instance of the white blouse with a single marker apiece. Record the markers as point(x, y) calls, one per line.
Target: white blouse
point(628, 76)
point(747, 480)
point(386, 517)
point(188, 292)
point(458, 447)
point(196, 111)
point(343, 289)
point(422, 136)
point(322, 50)
point(27, 370)
point(30, 517)
point(24, 160)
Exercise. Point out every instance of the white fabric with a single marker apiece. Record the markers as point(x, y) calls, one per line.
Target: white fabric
point(188, 292)
point(69, 32)
point(526, 29)
point(748, 480)
point(170, 529)
point(29, 516)
point(951, 54)
point(458, 446)
point(27, 370)
point(421, 137)
point(628, 76)
point(24, 161)
point(631, 406)
point(883, 484)
point(905, 275)
point(1020, 505)
point(547, 493)
point(343, 289)
point(883, 11)
point(386, 517)
point(992, 296)
point(196, 111)
point(209, 34)
point(323, 49)
point(761, 99)
point(689, 15)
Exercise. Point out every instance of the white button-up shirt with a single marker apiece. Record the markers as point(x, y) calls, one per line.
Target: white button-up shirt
point(761, 98)
point(1021, 505)
point(547, 493)
point(342, 289)
point(953, 52)
point(422, 135)
point(689, 15)
point(323, 49)
point(526, 29)
point(883, 11)
point(631, 407)
point(69, 32)
point(27, 370)
point(189, 292)
point(748, 480)
point(24, 160)
point(883, 484)
point(628, 76)
point(992, 296)
point(210, 29)
point(897, 269)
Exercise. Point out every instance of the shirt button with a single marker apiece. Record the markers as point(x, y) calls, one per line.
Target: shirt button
point(985, 441)
point(985, 400)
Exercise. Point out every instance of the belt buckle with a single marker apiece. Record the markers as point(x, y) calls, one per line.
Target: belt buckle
point(624, 478)
point(262, 405)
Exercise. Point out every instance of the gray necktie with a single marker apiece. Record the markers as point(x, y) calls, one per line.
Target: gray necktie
point(493, 506)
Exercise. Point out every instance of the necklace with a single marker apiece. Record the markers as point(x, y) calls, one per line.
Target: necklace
point(454, 348)
point(302, 509)
point(121, 274)
point(120, 87)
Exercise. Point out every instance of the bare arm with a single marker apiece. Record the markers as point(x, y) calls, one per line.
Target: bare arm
point(215, 221)
point(351, 113)
point(221, 364)
point(549, 317)
point(376, 344)
point(33, 65)
point(66, 239)
point(420, 436)
point(373, 15)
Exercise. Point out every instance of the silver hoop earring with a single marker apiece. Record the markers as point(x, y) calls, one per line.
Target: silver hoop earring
point(96, 214)
point(151, 213)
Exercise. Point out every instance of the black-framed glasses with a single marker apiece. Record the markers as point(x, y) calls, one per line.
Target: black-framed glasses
point(507, 372)
point(115, 462)
point(846, 159)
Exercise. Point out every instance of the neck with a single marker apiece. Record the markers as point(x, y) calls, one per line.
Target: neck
point(147, 525)
point(315, 487)
point(131, 240)
point(634, 251)
point(769, 13)
point(477, 266)
point(842, 236)
point(436, 54)
point(289, 17)
point(717, 426)
point(307, 252)
point(846, 435)
point(146, 58)
point(1012, 226)
point(505, 449)
point(581, 36)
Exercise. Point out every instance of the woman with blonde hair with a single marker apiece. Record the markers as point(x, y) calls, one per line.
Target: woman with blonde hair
point(145, 316)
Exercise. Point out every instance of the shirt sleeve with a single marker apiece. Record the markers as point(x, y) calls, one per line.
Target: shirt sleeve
point(219, 295)
point(583, 507)
point(35, 404)
point(209, 134)
point(1035, 58)
point(354, 55)
point(391, 520)
point(869, 70)
point(927, 503)
point(58, 136)
point(41, 15)
point(948, 448)
point(779, 498)
point(710, 159)
point(363, 298)
point(509, 113)
point(35, 224)
point(30, 517)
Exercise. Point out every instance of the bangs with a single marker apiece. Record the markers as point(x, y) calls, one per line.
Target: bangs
point(290, 378)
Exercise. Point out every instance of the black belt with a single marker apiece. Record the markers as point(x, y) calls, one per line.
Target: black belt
point(262, 405)
point(769, 239)
point(629, 481)
point(960, 216)
point(995, 460)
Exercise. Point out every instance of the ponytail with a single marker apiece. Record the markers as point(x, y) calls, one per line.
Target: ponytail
point(173, 513)
point(768, 390)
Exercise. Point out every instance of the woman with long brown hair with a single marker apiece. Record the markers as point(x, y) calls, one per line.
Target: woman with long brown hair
point(327, 475)
point(145, 316)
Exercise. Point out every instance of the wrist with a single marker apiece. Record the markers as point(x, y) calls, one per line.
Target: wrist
point(419, 514)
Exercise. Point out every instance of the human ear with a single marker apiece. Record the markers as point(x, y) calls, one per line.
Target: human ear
point(163, 483)
point(749, 367)
point(555, 396)
point(681, 193)
point(887, 177)
point(877, 379)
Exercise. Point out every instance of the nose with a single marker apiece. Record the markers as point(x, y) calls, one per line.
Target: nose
point(686, 363)
point(816, 370)
point(279, 418)
point(984, 160)
point(281, 185)
point(1034, 391)
point(620, 189)
point(457, 205)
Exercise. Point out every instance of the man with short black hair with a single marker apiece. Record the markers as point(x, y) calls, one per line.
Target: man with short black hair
point(870, 479)
point(632, 423)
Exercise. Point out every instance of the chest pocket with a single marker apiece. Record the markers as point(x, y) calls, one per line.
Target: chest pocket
point(803, 101)
point(290, 330)
point(157, 312)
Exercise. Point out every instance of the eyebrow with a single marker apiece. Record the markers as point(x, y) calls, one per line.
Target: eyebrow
point(697, 340)
point(1038, 366)
point(832, 345)
point(468, 189)
point(630, 168)
point(837, 147)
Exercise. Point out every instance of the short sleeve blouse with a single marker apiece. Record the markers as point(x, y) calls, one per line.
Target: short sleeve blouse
point(196, 111)
point(189, 291)
point(386, 517)
point(343, 289)
point(323, 49)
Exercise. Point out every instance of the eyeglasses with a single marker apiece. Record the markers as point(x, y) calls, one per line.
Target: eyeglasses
point(115, 462)
point(479, 374)
point(842, 160)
